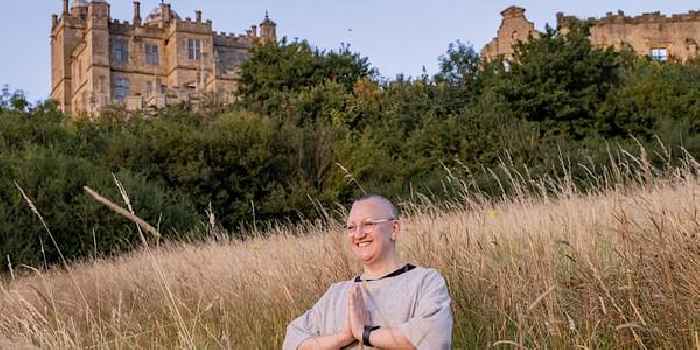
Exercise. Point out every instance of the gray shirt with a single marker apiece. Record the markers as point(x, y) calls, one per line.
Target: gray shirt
point(416, 303)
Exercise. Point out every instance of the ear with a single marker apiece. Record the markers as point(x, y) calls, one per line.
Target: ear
point(396, 229)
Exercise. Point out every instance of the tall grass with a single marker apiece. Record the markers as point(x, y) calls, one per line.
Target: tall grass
point(549, 264)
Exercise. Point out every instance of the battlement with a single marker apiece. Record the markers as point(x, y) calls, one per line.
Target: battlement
point(187, 25)
point(119, 27)
point(70, 21)
point(232, 39)
point(621, 18)
point(652, 34)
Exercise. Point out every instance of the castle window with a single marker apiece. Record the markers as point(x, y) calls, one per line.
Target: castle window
point(151, 53)
point(101, 84)
point(83, 101)
point(507, 66)
point(194, 49)
point(659, 54)
point(121, 89)
point(120, 51)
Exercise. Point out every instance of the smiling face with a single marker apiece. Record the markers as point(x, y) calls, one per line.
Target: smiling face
point(372, 231)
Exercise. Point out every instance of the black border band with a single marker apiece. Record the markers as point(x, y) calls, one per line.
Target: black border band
point(365, 334)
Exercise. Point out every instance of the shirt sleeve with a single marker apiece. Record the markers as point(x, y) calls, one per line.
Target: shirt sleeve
point(307, 325)
point(431, 325)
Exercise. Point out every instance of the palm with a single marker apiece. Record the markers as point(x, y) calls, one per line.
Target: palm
point(357, 312)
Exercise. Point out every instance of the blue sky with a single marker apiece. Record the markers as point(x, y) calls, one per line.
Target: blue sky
point(398, 36)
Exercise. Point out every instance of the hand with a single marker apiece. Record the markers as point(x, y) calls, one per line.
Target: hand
point(357, 312)
point(345, 336)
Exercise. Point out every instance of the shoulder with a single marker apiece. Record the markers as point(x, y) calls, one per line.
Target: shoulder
point(429, 279)
point(427, 274)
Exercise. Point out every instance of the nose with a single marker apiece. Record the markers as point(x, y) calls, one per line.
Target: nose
point(359, 232)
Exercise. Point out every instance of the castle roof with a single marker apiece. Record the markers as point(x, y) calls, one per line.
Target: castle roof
point(156, 14)
point(267, 19)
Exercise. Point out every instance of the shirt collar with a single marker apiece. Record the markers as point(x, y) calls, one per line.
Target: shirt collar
point(399, 271)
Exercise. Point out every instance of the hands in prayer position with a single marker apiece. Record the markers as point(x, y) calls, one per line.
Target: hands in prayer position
point(357, 312)
point(357, 317)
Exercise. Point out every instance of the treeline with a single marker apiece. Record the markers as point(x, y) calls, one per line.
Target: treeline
point(312, 129)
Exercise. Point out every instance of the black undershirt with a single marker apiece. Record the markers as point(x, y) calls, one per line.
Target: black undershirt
point(399, 271)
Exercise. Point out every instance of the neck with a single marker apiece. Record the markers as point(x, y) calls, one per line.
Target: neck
point(381, 268)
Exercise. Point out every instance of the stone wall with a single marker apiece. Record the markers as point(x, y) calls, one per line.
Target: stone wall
point(677, 34)
point(514, 27)
point(667, 37)
point(86, 76)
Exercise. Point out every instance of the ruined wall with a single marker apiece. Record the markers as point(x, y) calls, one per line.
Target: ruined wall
point(678, 35)
point(667, 37)
point(514, 27)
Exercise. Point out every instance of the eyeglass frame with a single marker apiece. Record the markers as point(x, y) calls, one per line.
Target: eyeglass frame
point(364, 223)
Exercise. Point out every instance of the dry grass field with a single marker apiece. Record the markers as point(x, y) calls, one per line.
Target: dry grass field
point(617, 266)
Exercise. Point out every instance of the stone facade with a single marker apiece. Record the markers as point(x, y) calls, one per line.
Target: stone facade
point(653, 34)
point(98, 61)
point(514, 27)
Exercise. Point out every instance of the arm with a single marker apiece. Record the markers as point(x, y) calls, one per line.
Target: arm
point(304, 332)
point(390, 339)
point(431, 325)
point(331, 342)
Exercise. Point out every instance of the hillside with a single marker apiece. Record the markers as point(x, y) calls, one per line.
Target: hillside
point(614, 268)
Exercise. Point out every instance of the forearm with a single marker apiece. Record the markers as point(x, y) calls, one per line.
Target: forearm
point(390, 338)
point(330, 342)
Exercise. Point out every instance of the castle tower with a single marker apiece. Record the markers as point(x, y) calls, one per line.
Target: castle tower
point(268, 29)
point(92, 91)
point(66, 34)
point(514, 28)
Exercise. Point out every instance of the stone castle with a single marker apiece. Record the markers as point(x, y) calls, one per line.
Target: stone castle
point(659, 36)
point(98, 61)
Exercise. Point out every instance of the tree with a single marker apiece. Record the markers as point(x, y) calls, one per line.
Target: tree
point(459, 65)
point(559, 80)
point(276, 70)
point(5, 97)
point(18, 102)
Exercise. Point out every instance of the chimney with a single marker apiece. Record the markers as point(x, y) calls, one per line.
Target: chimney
point(65, 7)
point(198, 14)
point(166, 12)
point(254, 28)
point(54, 21)
point(137, 13)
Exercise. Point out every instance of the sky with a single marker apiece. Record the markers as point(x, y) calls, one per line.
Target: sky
point(398, 36)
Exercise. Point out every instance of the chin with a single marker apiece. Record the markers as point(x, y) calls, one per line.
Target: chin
point(365, 258)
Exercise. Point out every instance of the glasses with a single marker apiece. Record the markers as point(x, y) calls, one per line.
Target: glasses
point(368, 224)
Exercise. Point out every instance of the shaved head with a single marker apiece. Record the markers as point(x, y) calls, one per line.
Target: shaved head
point(381, 202)
point(372, 229)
